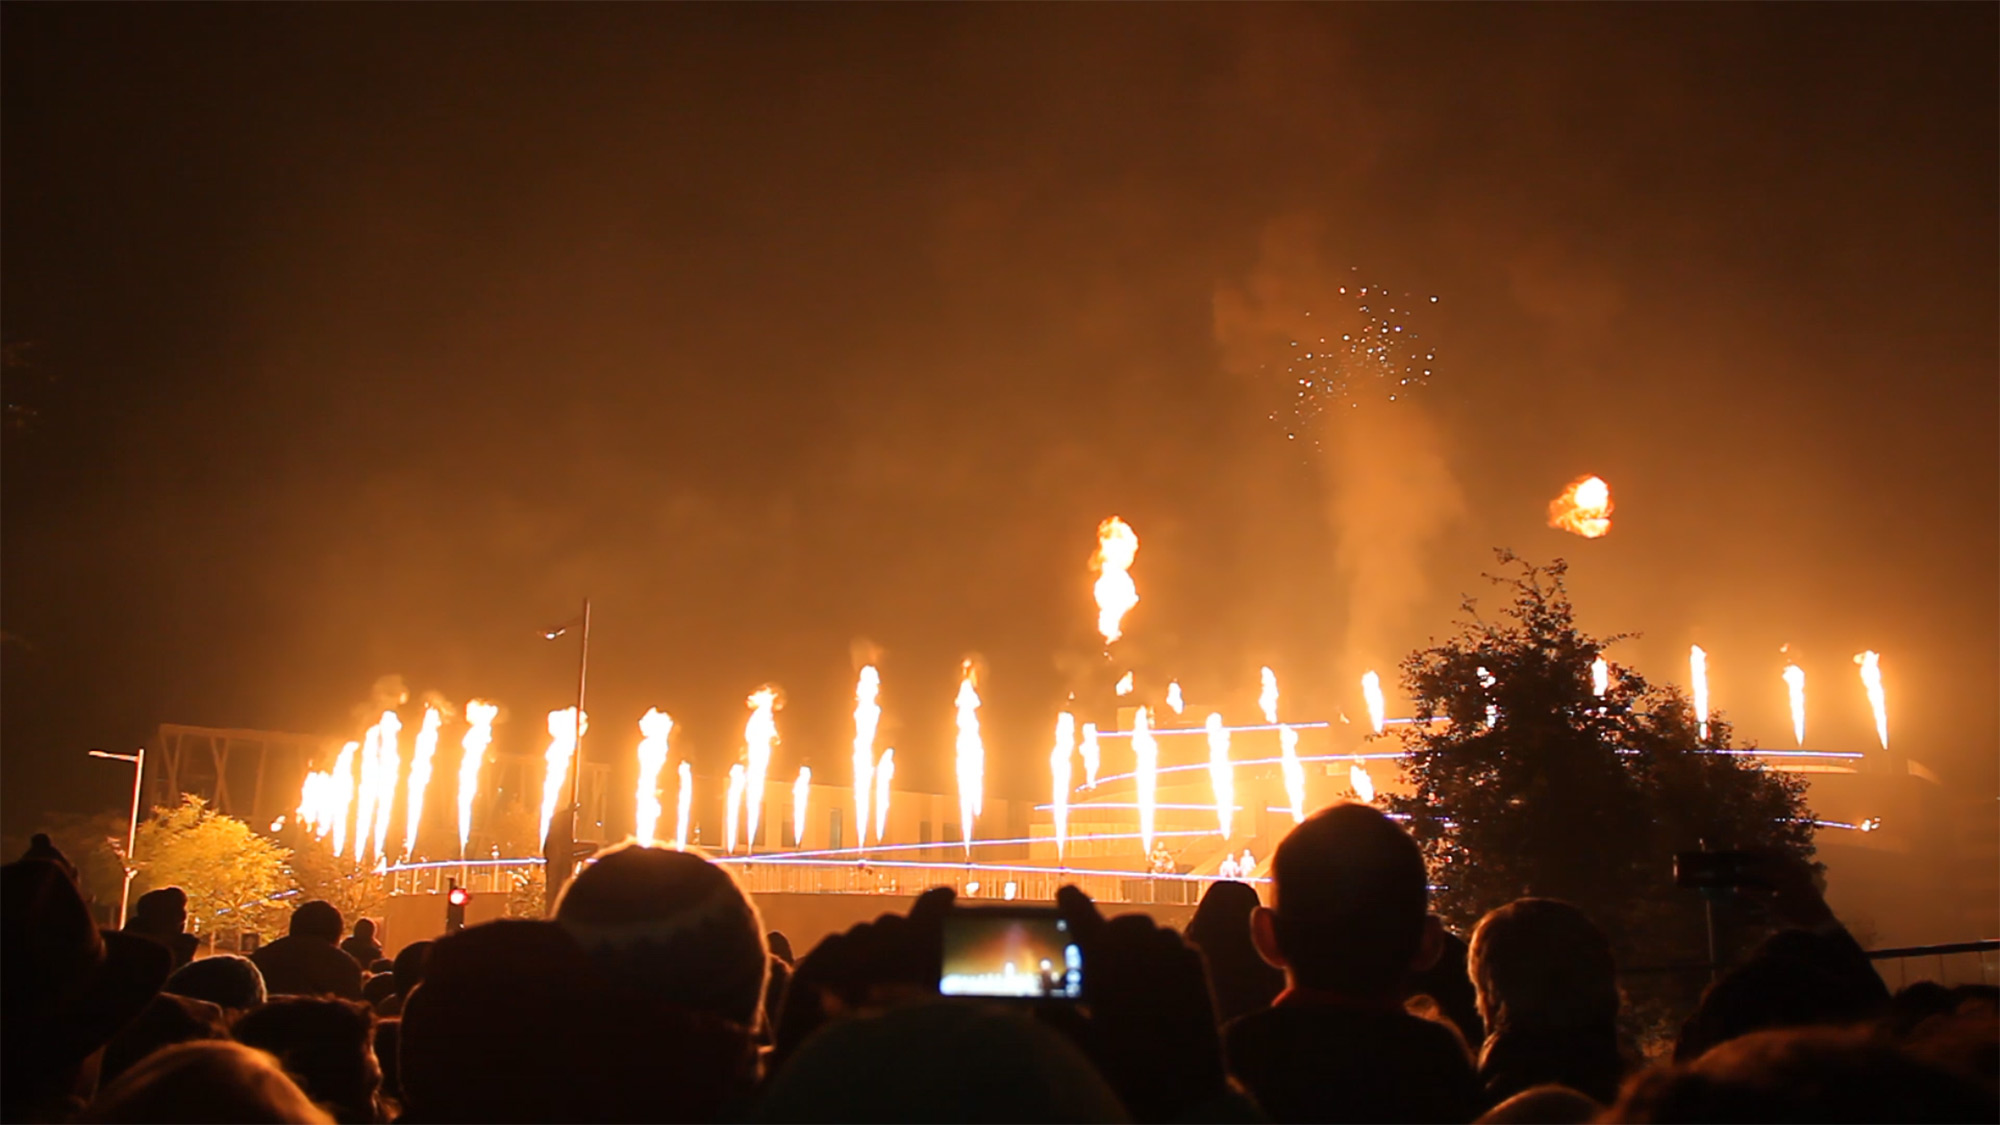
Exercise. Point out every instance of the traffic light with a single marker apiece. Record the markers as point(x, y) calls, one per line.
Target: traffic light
point(454, 908)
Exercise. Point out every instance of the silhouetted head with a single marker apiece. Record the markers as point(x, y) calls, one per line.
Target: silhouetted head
point(1543, 1105)
point(669, 927)
point(1351, 903)
point(1540, 964)
point(160, 913)
point(42, 848)
point(364, 928)
point(408, 967)
point(327, 1045)
point(1238, 978)
point(317, 919)
point(215, 1081)
point(781, 946)
point(1792, 980)
point(233, 983)
point(166, 1020)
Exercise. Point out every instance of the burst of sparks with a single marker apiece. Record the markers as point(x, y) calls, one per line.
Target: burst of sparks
point(1380, 354)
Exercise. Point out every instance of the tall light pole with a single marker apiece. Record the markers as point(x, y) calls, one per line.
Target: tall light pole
point(557, 863)
point(138, 761)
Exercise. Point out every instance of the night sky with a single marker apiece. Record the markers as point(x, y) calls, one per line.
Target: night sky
point(346, 341)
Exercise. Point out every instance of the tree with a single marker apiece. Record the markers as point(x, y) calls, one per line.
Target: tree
point(92, 843)
point(231, 874)
point(1538, 786)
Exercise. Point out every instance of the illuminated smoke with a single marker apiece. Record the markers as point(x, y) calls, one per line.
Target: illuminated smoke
point(867, 716)
point(478, 736)
point(654, 726)
point(1371, 691)
point(760, 734)
point(420, 776)
point(1221, 773)
point(563, 730)
point(1124, 685)
point(1117, 546)
point(1294, 771)
point(683, 805)
point(1267, 695)
point(971, 758)
point(1584, 508)
point(1091, 755)
point(733, 808)
point(1059, 767)
point(885, 772)
point(1600, 677)
point(1145, 774)
point(1698, 677)
point(1795, 686)
point(1174, 696)
point(1878, 702)
point(801, 794)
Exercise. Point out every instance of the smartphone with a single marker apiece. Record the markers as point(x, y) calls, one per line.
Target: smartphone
point(1716, 870)
point(1010, 952)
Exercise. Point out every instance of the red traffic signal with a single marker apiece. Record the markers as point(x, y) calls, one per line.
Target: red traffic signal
point(460, 896)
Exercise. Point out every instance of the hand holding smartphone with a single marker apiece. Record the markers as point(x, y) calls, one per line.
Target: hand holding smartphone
point(1010, 952)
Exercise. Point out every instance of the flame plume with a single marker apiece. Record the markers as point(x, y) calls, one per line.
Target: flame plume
point(1059, 759)
point(885, 771)
point(654, 727)
point(1145, 774)
point(733, 807)
point(1584, 508)
point(1364, 786)
point(1124, 685)
point(1221, 773)
point(1600, 677)
point(1795, 685)
point(564, 726)
point(1871, 678)
point(760, 734)
point(420, 777)
point(971, 758)
point(366, 794)
point(801, 793)
point(341, 798)
point(477, 738)
point(1267, 697)
point(1091, 755)
point(1698, 676)
point(391, 758)
point(313, 800)
point(867, 716)
point(1371, 690)
point(1174, 696)
point(1117, 546)
point(683, 804)
point(1295, 772)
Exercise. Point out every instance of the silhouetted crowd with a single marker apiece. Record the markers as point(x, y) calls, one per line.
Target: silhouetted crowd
point(655, 994)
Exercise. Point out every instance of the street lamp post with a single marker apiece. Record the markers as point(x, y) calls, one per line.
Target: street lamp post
point(138, 761)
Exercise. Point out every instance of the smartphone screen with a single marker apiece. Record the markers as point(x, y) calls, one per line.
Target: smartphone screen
point(1015, 952)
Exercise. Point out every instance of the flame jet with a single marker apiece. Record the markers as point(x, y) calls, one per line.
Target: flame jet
point(1364, 786)
point(1267, 695)
point(420, 776)
point(1698, 676)
point(385, 795)
point(1795, 686)
point(1174, 696)
point(1124, 685)
point(867, 716)
point(1059, 759)
point(473, 746)
point(341, 798)
point(1145, 774)
point(1221, 773)
point(1091, 755)
point(564, 726)
point(1294, 771)
point(1878, 702)
point(1584, 508)
point(760, 734)
point(1117, 546)
point(971, 758)
point(1600, 677)
point(683, 804)
point(654, 727)
point(885, 771)
point(801, 793)
point(1371, 691)
point(734, 806)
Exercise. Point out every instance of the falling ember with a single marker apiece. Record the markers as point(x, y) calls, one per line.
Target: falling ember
point(420, 777)
point(1364, 786)
point(1871, 678)
point(1088, 748)
point(733, 807)
point(971, 758)
point(760, 733)
point(1145, 774)
point(1795, 685)
point(1221, 773)
point(564, 726)
point(867, 716)
point(1371, 690)
point(683, 804)
point(1124, 686)
point(391, 758)
point(801, 793)
point(1174, 696)
point(1117, 546)
point(1583, 508)
point(654, 726)
point(477, 738)
point(1267, 696)
point(1698, 677)
point(1295, 772)
point(1600, 677)
point(885, 771)
point(1059, 766)
point(340, 798)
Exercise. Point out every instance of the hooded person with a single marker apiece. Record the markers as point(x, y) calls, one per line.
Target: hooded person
point(308, 961)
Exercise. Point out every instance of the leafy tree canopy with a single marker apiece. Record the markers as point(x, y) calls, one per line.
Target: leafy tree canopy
point(229, 872)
